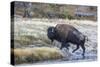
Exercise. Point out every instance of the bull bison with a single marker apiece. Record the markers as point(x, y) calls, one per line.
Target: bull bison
point(65, 34)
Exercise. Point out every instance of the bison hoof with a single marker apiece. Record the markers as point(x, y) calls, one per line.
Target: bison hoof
point(83, 56)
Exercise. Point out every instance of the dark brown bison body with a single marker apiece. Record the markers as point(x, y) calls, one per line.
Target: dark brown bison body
point(65, 34)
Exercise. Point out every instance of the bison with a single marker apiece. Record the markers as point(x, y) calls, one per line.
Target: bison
point(65, 34)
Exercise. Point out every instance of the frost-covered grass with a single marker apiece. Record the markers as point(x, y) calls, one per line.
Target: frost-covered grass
point(32, 31)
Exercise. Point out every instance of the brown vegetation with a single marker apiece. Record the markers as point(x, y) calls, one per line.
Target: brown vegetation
point(29, 55)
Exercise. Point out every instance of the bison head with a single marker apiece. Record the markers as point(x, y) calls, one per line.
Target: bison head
point(51, 33)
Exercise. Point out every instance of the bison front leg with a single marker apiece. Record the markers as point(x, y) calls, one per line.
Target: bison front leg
point(62, 45)
point(65, 45)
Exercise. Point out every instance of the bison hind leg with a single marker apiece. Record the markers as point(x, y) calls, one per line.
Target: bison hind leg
point(75, 49)
point(83, 54)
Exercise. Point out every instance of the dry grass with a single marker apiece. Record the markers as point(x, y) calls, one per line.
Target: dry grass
point(27, 55)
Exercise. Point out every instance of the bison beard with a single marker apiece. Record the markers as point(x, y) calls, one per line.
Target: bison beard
point(65, 34)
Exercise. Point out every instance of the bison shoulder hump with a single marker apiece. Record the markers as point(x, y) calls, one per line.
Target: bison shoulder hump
point(62, 30)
